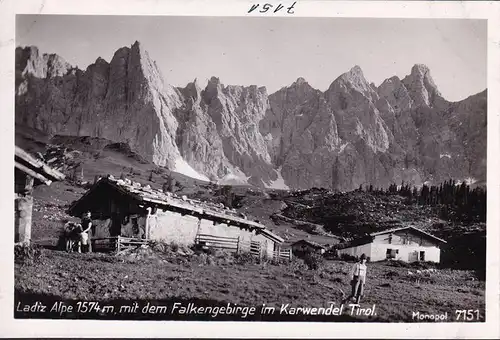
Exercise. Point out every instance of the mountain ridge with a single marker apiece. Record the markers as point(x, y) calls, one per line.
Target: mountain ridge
point(352, 134)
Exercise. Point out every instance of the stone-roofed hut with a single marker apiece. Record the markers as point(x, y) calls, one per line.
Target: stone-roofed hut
point(28, 173)
point(302, 247)
point(121, 207)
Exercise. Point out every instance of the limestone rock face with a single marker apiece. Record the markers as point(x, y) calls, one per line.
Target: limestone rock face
point(301, 134)
point(30, 62)
point(353, 134)
point(220, 135)
point(125, 100)
point(421, 86)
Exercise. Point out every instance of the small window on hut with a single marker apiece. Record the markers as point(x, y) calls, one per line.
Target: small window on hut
point(422, 256)
point(391, 253)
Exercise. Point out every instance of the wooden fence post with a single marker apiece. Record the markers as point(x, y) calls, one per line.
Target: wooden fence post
point(238, 246)
point(290, 254)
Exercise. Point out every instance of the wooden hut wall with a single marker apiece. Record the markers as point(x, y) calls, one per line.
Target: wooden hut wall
point(105, 202)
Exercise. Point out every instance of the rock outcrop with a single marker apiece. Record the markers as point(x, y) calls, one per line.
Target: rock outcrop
point(125, 100)
point(353, 134)
point(220, 132)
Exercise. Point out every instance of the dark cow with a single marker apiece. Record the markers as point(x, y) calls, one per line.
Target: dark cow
point(72, 236)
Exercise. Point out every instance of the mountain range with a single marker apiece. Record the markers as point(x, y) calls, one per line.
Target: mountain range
point(352, 134)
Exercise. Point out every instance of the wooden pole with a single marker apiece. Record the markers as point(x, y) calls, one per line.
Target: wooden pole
point(148, 216)
point(24, 209)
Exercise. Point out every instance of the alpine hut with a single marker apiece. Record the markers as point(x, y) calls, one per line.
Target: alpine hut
point(124, 208)
point(408, 244)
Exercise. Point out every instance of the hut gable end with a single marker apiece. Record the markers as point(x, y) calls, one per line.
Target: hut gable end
point(104, 200)
point(406, 236)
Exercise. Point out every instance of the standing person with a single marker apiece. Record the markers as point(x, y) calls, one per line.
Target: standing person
point(358, 278)
point(85, 234)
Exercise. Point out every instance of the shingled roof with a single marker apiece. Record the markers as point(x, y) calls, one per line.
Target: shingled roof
point(35, 168)
point(310, 243)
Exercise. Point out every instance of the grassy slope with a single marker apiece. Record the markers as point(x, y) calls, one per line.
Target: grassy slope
point(100, 277)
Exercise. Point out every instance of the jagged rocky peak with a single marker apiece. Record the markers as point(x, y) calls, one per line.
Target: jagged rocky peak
point(100, 66)
point(350, 87)
point(100, 61)
point(298, 92)
point(136, 44)
point(356, 71)
point(420, 69)
point(31, 62)
point(301, 85)
point(300, 81)
point(421, 86)
point(120, 54)
point(354, 75)
point(214, 81)
point(262, 89)
point(193, 88)
point(213, 87)
point(354, 79)
point(391, 82)
point(192, 91)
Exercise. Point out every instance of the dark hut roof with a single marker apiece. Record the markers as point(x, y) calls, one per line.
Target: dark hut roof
point(35, 168)
point(310, 243)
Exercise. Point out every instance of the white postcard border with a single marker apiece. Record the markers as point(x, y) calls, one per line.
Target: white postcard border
point(382, 9)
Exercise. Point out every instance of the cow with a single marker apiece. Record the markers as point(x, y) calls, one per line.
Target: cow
point(72, 236)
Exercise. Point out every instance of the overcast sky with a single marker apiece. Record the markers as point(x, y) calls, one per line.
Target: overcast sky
point(274, 52)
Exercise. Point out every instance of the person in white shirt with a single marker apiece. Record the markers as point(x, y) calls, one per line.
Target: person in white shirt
point(358, 278)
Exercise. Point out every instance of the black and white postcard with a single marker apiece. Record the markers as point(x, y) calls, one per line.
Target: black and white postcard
point(299, 162)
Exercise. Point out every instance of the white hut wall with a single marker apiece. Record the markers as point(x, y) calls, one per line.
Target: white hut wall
point(170, 226)
point(224, 230)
